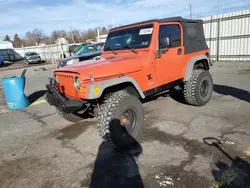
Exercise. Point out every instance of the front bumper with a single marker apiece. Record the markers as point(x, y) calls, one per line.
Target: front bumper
point(34, 60)
point(54, 98)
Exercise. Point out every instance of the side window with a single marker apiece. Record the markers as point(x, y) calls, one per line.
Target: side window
point(173, 33)
point(99, 47)
point(93, 49)
point(96, 48)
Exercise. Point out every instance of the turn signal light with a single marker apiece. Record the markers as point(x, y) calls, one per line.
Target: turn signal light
point(96, 91)
point(83, 90)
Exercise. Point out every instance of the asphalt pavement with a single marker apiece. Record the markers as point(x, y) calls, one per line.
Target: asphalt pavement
point(41, 150)
point(20, 65)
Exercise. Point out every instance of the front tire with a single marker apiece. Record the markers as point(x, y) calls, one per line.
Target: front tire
point(69, 117)
point(198, 90)
point(121, 119)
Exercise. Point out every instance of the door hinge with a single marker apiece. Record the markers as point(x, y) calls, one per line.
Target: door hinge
point(179, 51)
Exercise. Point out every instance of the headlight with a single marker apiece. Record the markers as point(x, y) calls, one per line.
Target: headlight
point(62, 64)
point(77, 82)
point(56, 78)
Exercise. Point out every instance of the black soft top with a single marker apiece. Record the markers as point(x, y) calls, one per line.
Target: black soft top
point(170, 19)
point(193, 33)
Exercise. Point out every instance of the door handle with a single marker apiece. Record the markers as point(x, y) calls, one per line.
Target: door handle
point(179, 51)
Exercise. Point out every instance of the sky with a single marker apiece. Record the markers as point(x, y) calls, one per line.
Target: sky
point(20, 16)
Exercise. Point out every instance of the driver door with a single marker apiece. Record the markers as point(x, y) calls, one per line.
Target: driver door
point(168, 63)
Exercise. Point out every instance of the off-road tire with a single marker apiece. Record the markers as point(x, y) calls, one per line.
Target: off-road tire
point(192, 88)
point(109, 116)
point(69, 117)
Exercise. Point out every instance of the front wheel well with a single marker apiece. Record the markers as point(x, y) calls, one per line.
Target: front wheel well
point(126, 86)
point(201, 64)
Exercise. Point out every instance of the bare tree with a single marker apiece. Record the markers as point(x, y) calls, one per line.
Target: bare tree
point(91, 34)
point(77, 35)
point(37, 35)
point(29, 39)
point(104, 31)
point(47, 40)
point(84, 36)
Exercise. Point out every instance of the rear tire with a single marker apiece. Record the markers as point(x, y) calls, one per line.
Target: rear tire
point(198, 90)
point(69, 117)
point(112, 115)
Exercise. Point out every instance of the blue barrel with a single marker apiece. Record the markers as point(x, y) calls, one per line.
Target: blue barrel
point(13, 88)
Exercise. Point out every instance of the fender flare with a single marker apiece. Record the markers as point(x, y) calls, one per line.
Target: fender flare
point(112, 82)
point(190, 66)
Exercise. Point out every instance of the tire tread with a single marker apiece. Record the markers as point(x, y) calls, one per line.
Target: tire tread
point(106, 113)
point(189, 88)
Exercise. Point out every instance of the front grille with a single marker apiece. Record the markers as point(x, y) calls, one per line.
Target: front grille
point(34, 58)
point(66, 83)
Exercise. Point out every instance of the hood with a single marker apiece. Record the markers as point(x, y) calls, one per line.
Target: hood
point(32, 56)
point(90, 54)
point(83, 56)
point(105, 67)
point(70, 58)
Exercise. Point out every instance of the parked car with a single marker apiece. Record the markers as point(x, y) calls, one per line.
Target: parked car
point(1, 61)
point(89, 51)
point(74, 48)
point(32, 57)
point(10, 55)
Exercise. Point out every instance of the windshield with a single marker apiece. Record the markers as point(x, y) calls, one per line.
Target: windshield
point(84, 50)
point(135, 37)
point(31, 53)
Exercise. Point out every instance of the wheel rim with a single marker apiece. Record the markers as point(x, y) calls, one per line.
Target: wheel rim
point(204, 88)
point(128, 120)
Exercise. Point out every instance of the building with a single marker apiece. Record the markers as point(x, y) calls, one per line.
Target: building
point(102, 38)
point(6, 45)
point(61, 40)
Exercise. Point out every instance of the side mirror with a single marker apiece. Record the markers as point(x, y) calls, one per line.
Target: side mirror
point(164, 42)
point(164, 45)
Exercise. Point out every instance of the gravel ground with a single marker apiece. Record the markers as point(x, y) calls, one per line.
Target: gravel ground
point(40, 150)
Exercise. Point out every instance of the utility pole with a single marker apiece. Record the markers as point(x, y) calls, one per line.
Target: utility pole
point(218, 32)
point(98, 35)
point(72, 37)
point(190, 11)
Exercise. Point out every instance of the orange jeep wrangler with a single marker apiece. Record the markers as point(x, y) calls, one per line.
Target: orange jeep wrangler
point(138, 61)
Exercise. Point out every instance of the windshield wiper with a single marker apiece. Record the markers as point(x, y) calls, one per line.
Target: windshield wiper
point(109, 48)
point(132, 49)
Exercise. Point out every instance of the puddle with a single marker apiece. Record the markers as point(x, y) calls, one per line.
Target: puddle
point(73, 131)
